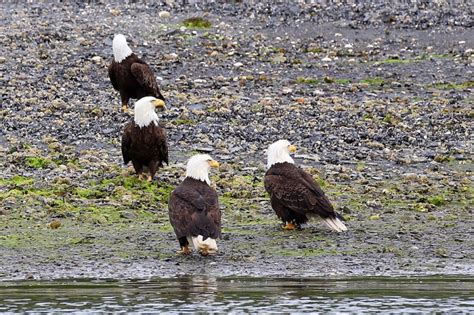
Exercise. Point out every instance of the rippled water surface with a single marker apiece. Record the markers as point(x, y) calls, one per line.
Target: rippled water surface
point(441, 294)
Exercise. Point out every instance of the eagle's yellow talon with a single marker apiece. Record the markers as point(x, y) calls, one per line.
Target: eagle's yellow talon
point(125, 108)
point(184, 251)
point(149, 179)
point(289, 226)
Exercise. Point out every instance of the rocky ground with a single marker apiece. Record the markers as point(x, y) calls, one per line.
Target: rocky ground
point(378, 99)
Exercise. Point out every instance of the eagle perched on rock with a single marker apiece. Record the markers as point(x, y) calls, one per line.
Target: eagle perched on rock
point(144, 141)
point(130, 75)
point(294, 194)
point(194, 208)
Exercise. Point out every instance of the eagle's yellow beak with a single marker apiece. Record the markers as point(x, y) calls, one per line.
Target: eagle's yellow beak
point(159, 104)
point(292, 149)
point(214, 163)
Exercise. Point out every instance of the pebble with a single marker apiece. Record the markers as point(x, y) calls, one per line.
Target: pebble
point(164, 15)
point(55, 224)
point(97, 59)
point(287, 90)
point(170, 57)
point(128, 215)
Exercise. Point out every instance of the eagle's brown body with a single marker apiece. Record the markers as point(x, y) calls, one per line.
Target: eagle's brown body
point(194, 210)
point(146, 147)
point(295, 195)
point(133, 78)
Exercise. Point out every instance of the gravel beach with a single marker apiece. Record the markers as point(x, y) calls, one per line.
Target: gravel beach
point(378, 100)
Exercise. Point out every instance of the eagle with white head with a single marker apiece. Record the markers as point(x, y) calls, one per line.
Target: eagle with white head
point(194, 208)
point(294, 194)
point(130, 75)
point(144, 140)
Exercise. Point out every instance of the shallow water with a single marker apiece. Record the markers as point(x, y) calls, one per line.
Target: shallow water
point(188, 294)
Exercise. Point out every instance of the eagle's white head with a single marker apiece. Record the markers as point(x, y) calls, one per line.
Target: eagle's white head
point(145, 110)
point(198, 167)
point(279, 152)
point(121, 49)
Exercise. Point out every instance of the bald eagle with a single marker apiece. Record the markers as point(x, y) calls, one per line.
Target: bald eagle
point(294, 194)
point(144, 141)
point(194, 208)
point(130, 75)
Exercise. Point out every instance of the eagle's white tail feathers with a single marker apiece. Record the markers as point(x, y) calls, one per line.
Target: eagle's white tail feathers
point(205, 247)
point(335, 224)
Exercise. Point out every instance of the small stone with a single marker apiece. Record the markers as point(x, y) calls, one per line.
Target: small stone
point(128, 215)
point(171, 57)
point(410, 176)
point(375, 145)
point(164, 15)
point(55, 224)
point(287, 90)
point(238, 64)
point(96, 59)
point(54, 146)
point(326, 59)
point(58, 104)
point(96, 111)
point(108, 131)
point(278, 58)
point(328, 80)
point(114, 12)
point(374, 217)
point(373, 203)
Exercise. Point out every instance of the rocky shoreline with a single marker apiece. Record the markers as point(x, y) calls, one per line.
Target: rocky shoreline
point(378, 101)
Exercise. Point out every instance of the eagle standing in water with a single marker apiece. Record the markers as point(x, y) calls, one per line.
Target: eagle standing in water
point(194, 208)
point(144, 141)
point(294, 194)
point(130, 75)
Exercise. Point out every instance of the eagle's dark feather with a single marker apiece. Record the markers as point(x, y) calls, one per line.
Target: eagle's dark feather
point(194, 210)
point(145, 147)
point(133, 78)
point(295, 195)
